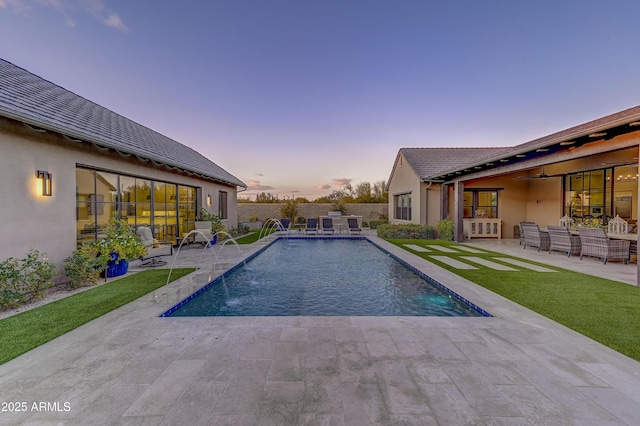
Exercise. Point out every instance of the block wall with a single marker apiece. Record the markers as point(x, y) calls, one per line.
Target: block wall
point(264, 211)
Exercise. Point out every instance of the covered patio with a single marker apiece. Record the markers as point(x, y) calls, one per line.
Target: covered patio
point(588, 173)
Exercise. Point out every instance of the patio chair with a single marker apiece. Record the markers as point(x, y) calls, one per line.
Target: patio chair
point(154, 247)
point(205, 232)
point(596, 243)
point(286, 225)
point(618, 225)
point(327, 225)
point(534, 237)
point(352, 222)
point(312, 226)
point(522, 232)
point(562, 240)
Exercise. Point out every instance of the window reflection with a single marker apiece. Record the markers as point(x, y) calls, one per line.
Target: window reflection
point(168, 208)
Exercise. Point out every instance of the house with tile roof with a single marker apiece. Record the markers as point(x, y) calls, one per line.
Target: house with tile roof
point(69, 164)
point(588, 173)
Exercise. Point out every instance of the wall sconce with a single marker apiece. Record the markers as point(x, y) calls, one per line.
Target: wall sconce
point(47, 179)
point(208, 199)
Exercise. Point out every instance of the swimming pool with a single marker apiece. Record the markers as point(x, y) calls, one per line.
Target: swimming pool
point(324, 277)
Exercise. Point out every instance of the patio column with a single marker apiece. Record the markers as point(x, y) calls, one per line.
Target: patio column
point(444, 201)
point(458, 211)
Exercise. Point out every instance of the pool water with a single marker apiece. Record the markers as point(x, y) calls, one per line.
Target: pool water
point(320, 277)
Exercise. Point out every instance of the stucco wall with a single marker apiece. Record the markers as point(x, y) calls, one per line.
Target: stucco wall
point(405, 180)
point(49, 223)
point(264, 211)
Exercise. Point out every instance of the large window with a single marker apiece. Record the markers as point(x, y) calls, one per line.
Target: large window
point(480, 203)
point(402, 203)
point(601, 194)
point(166, 207)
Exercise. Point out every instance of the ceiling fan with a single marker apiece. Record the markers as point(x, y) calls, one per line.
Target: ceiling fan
point(541, 175)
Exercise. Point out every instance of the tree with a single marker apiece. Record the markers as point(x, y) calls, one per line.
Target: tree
point(289, 210)
point(363, 192)
point(266, 197)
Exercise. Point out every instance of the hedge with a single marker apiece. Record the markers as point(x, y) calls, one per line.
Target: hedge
point(375, 223)
point(410, 231)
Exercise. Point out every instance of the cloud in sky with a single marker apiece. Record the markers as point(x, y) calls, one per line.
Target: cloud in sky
point(254, 185)
point(95, 8)
point(325, 186)
point(340, 182)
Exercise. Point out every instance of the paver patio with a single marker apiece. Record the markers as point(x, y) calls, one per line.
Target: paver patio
point(132, 367)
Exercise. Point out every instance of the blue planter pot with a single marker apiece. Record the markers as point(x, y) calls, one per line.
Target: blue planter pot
point(116, 268)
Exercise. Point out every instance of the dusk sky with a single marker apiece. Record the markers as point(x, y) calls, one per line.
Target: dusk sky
point(298, 97)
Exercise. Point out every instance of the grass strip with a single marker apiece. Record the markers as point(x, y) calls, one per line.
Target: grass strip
point(22, 332)
point(254, 236)
point(607, 311)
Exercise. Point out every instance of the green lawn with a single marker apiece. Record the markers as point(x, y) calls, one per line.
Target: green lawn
point(254, 236)
point(606, 311)
point(30, 329)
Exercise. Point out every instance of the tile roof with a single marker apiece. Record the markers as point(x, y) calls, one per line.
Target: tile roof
point(431, 162)
point(38, 102)
point(434, 163)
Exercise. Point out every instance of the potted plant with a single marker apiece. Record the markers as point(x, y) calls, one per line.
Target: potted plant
point(120, 245)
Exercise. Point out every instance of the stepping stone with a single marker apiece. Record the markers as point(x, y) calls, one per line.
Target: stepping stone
point(524, 264)
point(453, 262)
point(488, 263)
point(469, 249)
point(415, 247)
point(442, 248)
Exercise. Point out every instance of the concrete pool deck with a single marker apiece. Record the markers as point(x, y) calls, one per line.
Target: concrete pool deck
point(132, 367)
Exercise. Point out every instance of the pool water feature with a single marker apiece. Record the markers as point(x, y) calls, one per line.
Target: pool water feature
point(324, 277)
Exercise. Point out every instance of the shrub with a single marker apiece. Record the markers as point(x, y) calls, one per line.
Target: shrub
point(240, 230)
point(446, 229)
point(24, 280)
point(409, 231)
point(375, 223)
point(84, 266)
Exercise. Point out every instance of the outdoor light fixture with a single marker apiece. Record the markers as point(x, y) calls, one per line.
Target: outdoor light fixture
point(46, 182)
point(597, 134)
point(208, 199)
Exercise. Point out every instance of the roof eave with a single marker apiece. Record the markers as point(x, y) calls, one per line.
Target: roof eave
point(75, 137)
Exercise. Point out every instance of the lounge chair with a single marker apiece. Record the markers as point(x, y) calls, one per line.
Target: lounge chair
point(534, 237)
point(327, 225)
point(353, 225)
point(312, 226)
point(205, 233)
point(285, 225)
point(562, 240)
point(154, 247)
point(596, 243)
